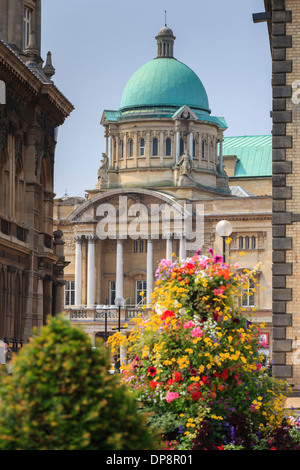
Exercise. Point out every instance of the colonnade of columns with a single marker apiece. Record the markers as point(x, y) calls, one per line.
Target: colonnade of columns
point(111, 135)
point(119, 268)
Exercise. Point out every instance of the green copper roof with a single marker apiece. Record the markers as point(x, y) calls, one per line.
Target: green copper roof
point(164, 82)
point(254, 155)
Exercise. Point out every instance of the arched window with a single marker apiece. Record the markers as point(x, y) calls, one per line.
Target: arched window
point(122, 149)
point(203, 149)
point(194, 149)
point(130, 148)
point(253, 242)
point(168, 147)
point(181, 148)
point(155, 147)
point(142, 147)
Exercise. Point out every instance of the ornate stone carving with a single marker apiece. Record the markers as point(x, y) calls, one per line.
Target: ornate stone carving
point(103, 169)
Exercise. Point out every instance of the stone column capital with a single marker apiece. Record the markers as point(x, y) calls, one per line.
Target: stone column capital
point(91, 237)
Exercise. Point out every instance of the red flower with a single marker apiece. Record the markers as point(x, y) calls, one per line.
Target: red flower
point(152, 371)
point(224, 374)
point(153, 384)
point(166, 314)
point(196, 395)
point(177, 376)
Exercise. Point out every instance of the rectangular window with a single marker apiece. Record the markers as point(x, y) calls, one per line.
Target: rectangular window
point(155, 147)
point(248, 297)
point(203, 149)
point(70, 293)
point(141, 286)
point(142, 147)
point(112, 292)
point(181, 146)
point(168, 147)
point(26, 26)
point(130, 148)
point(241, 243)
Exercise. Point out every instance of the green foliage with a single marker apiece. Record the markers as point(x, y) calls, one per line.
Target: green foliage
point(62, 397)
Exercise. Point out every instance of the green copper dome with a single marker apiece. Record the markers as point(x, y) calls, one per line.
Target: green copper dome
point(164, 82)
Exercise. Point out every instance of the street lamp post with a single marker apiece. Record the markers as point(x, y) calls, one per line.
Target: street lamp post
point(99, 309)
point(119, 302)
point(224, 230)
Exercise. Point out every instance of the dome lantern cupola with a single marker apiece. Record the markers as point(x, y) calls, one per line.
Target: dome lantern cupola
point(165, 42)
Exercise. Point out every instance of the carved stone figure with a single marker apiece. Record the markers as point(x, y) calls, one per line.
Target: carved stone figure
point(185, 165)
point(102, 171)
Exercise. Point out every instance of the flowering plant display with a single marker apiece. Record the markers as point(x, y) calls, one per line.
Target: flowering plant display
point(194, 361)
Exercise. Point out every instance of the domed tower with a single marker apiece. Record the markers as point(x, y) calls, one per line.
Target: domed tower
point(163, 135)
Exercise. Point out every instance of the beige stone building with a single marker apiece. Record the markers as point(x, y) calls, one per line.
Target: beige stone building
point(31, 110)
point(165, 151)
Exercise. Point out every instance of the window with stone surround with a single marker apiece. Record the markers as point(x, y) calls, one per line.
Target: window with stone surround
point(203, 149)
point(142, 147)
point(248, 242)
point(168, 147)
point(141, 292)
point(27, 19)
point(112, 292)
point(248, 294)
point(181, 146)
point(130, 148)
point(155, 147)
point(194, 149)
point(69, 293)
point(122, 149)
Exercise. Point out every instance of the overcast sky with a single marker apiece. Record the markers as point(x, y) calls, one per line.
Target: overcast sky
point(97, 45)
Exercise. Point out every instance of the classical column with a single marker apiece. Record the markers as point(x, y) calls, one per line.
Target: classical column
point(78, 270)
point(169, 248)
point(149, 270)
point(177, 146)
point(191, 145)
point(110, 151)
point(91, 271)
point(221, 157)
point(119, 268)
point(182, 248)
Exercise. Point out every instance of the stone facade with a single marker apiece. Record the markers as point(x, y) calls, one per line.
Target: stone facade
point(285, 47)
point(250, 218)
point(170, 157)
point(31, 109)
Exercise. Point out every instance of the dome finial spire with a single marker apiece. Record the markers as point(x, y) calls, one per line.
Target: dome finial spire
point(165, 41)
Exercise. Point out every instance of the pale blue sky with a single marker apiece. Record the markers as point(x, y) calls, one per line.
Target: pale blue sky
point(97, 45)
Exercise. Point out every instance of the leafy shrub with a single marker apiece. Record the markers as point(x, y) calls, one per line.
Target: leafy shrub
point(62, 397)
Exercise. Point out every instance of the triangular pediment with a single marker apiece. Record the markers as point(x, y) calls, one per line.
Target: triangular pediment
point(185, 113)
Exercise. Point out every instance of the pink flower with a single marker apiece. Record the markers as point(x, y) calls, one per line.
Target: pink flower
point(172, 396)
point(189, 324)
point(196, 332)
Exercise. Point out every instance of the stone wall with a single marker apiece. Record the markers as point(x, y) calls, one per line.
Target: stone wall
point(285, 42)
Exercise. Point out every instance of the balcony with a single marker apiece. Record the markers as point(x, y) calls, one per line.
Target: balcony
point(100, 314)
